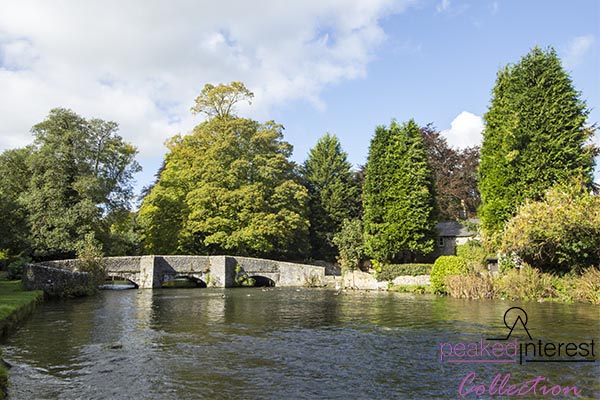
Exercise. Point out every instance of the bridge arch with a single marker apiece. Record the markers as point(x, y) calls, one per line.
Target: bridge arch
point(262, 281)
point(116, 281)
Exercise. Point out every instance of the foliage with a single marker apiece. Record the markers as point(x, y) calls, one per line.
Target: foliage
point(90, 258)
point(535, 136)
point(15, 268)
point(415, 289)
point(444, 267)
point(474, 254)
point(558, 234)
point(227, 187)
point(242, 278)
point(14, 176)
point(471, 286)
point(333, 191)
point(391, 271)
point(399, 210)
point(530, 284)
point(350, 243)
point(312, 280)
point(526, 283)
point(454, 174)
point(219, 101)
point(587, 287)
point(80, 171)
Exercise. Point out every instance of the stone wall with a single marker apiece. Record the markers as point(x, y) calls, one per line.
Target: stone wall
point(55, 281)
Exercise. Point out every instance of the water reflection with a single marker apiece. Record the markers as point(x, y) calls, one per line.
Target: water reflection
point(273, 343)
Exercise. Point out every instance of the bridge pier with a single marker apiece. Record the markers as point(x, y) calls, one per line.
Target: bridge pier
point(148, 273)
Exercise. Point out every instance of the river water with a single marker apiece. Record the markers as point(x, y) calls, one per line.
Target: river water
point(288, 343)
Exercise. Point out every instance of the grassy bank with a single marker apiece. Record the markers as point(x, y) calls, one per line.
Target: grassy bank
point(528, 284)
point(15, 305)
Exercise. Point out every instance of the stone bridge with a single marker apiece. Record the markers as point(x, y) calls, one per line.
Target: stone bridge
point(215, 271)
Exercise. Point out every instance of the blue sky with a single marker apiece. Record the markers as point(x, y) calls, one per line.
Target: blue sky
point(339, 66)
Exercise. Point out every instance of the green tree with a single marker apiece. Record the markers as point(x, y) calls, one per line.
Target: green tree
point(535, 137)
point(227, 187)
point(80, 171)
point(14, 175)
point(399, 208)
point(219, 101)
point(558, 234)
point(351, 244)
point(333, 191)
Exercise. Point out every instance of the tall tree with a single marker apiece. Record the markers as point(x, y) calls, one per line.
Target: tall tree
point(14, 175)
point(455, 176)
point(333, 191)
point(80, 171)
point(399, 208)
point(535, 137)
point(227, 187)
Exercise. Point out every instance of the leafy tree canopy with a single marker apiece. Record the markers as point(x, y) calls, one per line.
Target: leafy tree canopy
point(80, 171)
point(455, 176)
point(227, 187)
point(219, 101)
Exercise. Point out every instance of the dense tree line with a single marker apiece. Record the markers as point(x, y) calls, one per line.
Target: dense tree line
point(230, 187)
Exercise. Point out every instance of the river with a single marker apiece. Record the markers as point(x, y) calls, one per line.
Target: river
point(291, 343)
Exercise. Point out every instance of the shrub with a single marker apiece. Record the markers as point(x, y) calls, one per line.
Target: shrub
point(91, 259)
point(390, 271)
point(446, 266)
point(471, 286)
point(242, 278)
point(559, 234)
point(474, 254)
point(587, 286)
point(15, 268)
point(350, 243)
point(526, 283)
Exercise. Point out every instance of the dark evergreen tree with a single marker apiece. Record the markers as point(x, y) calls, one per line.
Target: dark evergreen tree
point(399, 208)
point(333, 191)
point(535, 137)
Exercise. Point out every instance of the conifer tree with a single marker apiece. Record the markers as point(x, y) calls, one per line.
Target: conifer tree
point(399, 208)
point(333, 193)
point(535, 137)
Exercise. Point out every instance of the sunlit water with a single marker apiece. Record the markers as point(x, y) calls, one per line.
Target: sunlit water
point(280, 343)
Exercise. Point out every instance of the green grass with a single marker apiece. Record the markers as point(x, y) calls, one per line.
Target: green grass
point(416, 289)
point(15, 305)
point(13, 297)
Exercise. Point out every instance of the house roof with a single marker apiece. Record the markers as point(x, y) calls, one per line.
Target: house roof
point(454, 228)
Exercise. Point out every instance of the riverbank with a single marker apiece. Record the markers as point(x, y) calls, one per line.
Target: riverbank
point(15, 305)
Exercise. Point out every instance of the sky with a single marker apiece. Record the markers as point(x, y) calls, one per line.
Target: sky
point(315, 66)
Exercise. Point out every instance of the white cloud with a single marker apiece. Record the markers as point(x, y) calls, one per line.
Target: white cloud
point(465, 130)
point(577, 49)
point(494, 7)
point(142, 63)
point(444, 5)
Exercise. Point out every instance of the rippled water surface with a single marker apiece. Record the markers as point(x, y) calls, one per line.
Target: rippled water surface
point(279, 343)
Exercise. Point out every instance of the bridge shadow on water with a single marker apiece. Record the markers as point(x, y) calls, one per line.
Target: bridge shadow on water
point(184, 281)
